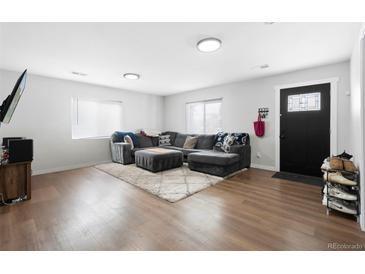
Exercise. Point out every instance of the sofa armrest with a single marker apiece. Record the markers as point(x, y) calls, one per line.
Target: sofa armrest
point(237, 149)
point(244, 152)
point(121, 153)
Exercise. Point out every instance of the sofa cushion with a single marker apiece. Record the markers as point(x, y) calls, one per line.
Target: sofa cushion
point(190, 142)
point(186, 151)
point(175, 148)
point(180, 140)
point(144, 141)
point(214, 158)
point(135, 149)
point(205, 141)
point(155, 140)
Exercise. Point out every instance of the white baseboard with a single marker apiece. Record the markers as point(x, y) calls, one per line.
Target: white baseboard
point(70, 167)
point(271, 168)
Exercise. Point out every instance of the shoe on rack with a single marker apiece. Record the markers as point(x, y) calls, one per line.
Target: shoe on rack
point(326, 165)
point(341, 206)
point(344, 155)
point(349, 166)
point(324, 200)
point(336, 163)
point(338, 192)
point(336, 177)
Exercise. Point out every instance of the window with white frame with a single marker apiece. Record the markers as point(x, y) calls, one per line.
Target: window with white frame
point(204, 117)
point(95, 118)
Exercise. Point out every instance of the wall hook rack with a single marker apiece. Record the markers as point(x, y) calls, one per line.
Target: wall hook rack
point(263, 112)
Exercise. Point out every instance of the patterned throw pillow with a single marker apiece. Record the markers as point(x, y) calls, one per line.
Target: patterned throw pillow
point(219, 139)
point(229, 141)
point(241, 138)
point(164, 140)
point(128, 139)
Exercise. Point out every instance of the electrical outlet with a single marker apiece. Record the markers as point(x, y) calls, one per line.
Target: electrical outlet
point(258, 155)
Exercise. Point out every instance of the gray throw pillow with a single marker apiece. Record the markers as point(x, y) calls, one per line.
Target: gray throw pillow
point(190, 142)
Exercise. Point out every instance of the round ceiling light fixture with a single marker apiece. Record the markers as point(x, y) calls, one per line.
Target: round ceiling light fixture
point(131, 76)
point(209, 44)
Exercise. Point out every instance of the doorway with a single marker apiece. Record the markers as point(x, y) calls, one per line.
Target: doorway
point(305, 122)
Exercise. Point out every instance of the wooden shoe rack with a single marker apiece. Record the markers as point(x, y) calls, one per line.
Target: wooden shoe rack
point(355, 190)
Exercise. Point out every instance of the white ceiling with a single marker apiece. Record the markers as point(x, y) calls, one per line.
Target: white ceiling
point(165, 54)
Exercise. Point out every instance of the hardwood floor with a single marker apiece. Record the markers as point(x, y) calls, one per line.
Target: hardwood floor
point(87, 209)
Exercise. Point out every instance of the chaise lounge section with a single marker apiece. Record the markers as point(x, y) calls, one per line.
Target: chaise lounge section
point(220, 163)
point(214, 163)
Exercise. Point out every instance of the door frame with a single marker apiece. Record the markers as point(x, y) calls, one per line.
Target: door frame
point(362, 128)
point(333, 114)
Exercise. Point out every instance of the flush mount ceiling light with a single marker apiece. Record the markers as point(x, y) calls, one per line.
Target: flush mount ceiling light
point(209, 44)
point(131, 76)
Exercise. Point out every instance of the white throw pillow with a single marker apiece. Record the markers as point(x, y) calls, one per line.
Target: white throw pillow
point(128, 139)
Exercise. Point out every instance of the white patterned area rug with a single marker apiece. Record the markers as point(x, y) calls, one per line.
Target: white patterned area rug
point(171, 185)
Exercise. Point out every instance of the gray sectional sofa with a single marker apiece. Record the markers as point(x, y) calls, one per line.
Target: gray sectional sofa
point(203, 158)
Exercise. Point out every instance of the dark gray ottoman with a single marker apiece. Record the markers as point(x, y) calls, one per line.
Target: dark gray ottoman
point(158, 159)
point(216, 163)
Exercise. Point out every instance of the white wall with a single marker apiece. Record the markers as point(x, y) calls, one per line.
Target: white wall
point(357, 116)
point(44, 114)
point(242, 99)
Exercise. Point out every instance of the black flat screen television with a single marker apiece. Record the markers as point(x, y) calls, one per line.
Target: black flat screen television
point(9, 105)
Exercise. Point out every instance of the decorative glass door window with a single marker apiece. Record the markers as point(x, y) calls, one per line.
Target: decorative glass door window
point(304, 102)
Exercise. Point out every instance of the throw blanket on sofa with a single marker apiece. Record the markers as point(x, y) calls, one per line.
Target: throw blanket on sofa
point(118, 137)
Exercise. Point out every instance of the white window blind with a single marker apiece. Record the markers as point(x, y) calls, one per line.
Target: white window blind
point(204, 117)
point(95, 119)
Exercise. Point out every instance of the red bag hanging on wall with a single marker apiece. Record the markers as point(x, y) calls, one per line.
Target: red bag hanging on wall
point(259, 127)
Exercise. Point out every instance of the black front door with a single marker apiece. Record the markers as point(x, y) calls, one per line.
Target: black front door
point(304, 128)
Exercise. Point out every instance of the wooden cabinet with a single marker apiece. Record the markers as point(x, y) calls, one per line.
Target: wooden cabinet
point(15, 180)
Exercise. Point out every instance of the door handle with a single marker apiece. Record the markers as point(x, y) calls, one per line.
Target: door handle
point(282, 136)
